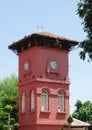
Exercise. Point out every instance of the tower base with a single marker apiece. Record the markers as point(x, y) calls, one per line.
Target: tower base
point(40, 127)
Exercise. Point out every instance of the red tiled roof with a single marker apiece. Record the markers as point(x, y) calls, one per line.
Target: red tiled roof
point(59, 42)
point(50, 35)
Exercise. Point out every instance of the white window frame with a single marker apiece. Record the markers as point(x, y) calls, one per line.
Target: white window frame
point(23, 102)
point(60, 102)
point(32, 100)
point(44, 105)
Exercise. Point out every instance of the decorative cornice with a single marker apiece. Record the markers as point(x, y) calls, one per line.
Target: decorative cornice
point(45, 80)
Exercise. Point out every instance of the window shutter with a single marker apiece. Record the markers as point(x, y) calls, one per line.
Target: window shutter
point(60, 102)
point(32, 101)
point(44, 100)
point(23, 102)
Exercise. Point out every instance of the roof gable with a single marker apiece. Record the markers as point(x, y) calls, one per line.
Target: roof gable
point(77, 122)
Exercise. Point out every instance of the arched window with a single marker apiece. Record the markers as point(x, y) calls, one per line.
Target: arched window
point(44, 100)
point(60, 101)
point(23, 102)
point(32, 100)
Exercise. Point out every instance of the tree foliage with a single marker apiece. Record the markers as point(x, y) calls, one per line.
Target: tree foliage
point(8, 101)
point(85, 13)
point(83, 111)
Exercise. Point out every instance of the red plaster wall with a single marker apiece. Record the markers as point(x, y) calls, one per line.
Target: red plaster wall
point(53, 115)
point(39, 58)
point(37, 78)
point(40, 127)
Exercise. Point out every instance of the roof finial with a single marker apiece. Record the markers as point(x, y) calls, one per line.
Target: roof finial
point(41, 27)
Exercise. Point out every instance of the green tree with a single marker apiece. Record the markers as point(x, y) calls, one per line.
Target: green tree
point(8, 109)
point(85, 13)
point(8, 102)
point(83, 111)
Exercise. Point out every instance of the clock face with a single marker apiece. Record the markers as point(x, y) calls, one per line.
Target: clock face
point(53, 64)
point(26, 65)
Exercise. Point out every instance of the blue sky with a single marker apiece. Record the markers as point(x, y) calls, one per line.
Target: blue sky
point(19, 18)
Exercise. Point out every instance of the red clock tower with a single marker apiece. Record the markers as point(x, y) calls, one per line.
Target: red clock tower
point(43, 80)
